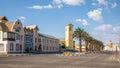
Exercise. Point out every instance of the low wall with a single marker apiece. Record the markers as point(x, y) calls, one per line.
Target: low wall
point(3, 53)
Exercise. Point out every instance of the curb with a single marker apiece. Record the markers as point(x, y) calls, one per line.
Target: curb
point(67, 55)
point(20, 54)
point(118, 61)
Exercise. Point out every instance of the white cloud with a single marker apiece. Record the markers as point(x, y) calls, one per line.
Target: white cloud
point(107, 3)
point(113, 5)
point(93, 4)
point(22, 18)
point(60, 6)
point(83, 21)
point(49, 6)
point(59, 3)
point(116, 29)
point(36, 7)
point(73, 2)
point(104, 27)
point(105, 37)
point(103, 2)
point(96, 15)
point(108, 27)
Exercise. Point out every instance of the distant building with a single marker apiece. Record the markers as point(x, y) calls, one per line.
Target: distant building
point(112, 46)
point(48, 43)
point(62, 41)
point(69, 36)
point(116, 45)
point(82, 47)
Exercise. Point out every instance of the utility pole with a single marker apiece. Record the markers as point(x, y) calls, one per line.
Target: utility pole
point(116, 52)
point(117, 46)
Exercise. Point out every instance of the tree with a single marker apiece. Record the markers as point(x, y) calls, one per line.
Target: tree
point(78, 34)
point(63, 46)
point(91, 43)
point(86, 37)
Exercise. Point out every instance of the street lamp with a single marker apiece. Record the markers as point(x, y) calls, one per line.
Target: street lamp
point(117, 46)
point(117, 50)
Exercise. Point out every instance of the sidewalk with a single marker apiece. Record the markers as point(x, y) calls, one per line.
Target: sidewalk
point(19, 54)
point(26, 54)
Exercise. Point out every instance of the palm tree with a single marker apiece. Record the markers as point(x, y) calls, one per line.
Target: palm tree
point(90, 39)
point(101, 45)
point(78, 34)
point(86, 37)
point(94, 44)
point(98, 45)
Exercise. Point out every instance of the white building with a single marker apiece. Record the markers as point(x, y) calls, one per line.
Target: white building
point(11, 36)
point(48, 43)
point(16, 39)
point(113, 48)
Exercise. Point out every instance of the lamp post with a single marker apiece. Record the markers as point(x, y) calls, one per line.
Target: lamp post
point(116, 52)
point(117, 46)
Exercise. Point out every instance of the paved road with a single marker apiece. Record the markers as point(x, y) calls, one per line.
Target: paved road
point(100, 60)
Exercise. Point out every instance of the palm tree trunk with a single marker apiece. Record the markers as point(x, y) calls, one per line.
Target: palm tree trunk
point(86, 46)
point(90, 47)
point(80, 45)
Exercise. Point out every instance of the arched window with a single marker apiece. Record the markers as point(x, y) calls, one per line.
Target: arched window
point(17, 47)
point(20, 47)
point(11, 47)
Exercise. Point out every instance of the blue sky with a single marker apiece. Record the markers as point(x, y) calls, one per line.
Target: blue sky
point(100, 18)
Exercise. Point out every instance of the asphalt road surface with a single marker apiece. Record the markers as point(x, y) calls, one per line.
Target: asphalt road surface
point(99, 60)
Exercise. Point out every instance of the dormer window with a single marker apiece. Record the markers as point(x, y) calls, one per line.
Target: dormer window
point(17, 29)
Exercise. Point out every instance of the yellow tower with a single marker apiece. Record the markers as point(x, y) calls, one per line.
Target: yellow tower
point(110, 44)
point(69, 35)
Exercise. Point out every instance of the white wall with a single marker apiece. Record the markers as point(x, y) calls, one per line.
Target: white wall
point(107, 48)
point(3, 42)
point(49, 45)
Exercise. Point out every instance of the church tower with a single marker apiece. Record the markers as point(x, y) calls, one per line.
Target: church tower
point(69, 35)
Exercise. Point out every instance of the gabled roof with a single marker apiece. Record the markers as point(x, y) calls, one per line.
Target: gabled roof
point(9, 25)
point(32, 27)
point(3, 18)
point(28, 30)
point(6, 26)
point(3, 27)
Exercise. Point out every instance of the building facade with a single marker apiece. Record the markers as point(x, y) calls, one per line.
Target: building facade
point(14, 38)
point(28, 40)
point(11, 36)
point(69, 36)
point(48, 43)
point(31, 38)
